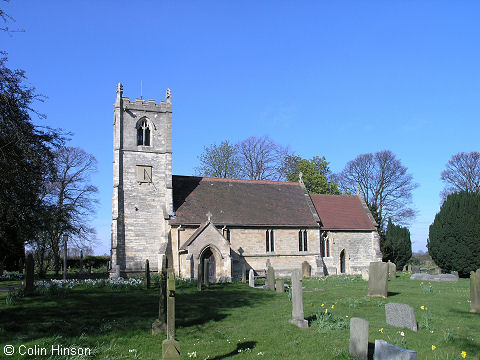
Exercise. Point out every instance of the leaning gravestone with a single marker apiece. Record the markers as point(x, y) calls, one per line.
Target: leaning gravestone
point(199, 277)
point(147, 274)
point(475, 291)
point(385, 351)
point(298, 318)
point(392, 270)
point(251, 278)
point(170, 346)
point(280, 286)
point(306, 269)
point(29, 276)
point(359, 338)
point(205, 272)
point(270, 278)
point(244, 274)
point(160, 324)
point(401, 316)
point(378, 279)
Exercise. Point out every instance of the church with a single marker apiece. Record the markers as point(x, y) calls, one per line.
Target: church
point(234, 223)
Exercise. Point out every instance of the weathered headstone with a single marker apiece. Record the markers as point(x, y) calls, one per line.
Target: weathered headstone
point(404, 268)
point(378, 279)
point(401, 316)
point(29, 276)
point(244, 274)
point(117, 271)
point(475, 291)
point(170, 347)
point(280, 286)
point(271, 278)
point(81, 261)
point(306, 269)
point(298, 318)
point(392, 270)
point(359, 338)
point(199, 276)
point(147, 274)
point(409, 267)
point(160, 324)
point(454, 273)
point(365, 274)
point(437, 278)
point(251, 278)
point(386, 351)
point(205, 272)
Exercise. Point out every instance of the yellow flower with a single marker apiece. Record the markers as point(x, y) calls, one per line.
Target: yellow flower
point(464, 354)
point(381, 330)
point(433, 347)
point(422, 307)
point(326, 311)
point(323, 305)
point(333, 306)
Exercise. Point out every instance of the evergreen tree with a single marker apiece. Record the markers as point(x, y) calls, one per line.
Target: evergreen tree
point(454, 236)
point(397, 246)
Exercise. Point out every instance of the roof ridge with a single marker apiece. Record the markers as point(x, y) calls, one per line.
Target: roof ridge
point(241, 180)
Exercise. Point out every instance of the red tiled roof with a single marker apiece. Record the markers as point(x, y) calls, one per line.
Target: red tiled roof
point(341, 212)
point(240, 202)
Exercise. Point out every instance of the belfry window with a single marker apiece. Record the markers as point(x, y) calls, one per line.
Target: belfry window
point(143, 133)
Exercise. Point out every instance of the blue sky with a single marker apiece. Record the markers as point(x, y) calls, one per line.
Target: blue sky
point(329, 78)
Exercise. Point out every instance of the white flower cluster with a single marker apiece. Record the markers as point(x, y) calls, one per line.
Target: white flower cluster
point(119, 283)
point(11, 276)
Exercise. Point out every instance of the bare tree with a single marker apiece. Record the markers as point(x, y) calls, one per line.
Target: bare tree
point(262, 159)
point(219, 161)
point(73, 200)
point(6, 18)
point(462, 173)
point(384, 183)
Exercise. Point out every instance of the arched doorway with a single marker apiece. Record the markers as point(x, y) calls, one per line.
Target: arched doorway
point(208, 255)
point(342, 262)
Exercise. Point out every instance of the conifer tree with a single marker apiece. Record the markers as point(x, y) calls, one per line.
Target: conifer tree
point(397, 246)
point(454, 236)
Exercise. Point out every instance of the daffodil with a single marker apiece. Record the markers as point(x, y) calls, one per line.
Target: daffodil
point(323, 305)
point(381, 330)
point(333, 306)
point(422, 307)
point(433, 347)
point(326, 311)
point(464, 354)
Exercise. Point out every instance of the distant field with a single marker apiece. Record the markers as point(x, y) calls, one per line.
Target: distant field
point(234, 321)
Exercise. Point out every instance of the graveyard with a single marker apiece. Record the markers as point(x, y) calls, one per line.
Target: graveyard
point(234, 320)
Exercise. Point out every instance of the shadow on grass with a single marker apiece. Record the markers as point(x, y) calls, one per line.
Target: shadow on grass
point(103, 311)
point(240, 347)
point(391, 293)
point(371, 350)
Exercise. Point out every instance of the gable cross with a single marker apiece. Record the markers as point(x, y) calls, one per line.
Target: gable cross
point(300, 176)
point(209, 216)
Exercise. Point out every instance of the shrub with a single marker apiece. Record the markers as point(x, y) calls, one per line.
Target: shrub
point(14, 296)
point(454, 236)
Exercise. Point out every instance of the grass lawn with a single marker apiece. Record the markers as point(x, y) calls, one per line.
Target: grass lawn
point(233, 321)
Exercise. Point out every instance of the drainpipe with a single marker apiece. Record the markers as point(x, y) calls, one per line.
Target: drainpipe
point(178, 248)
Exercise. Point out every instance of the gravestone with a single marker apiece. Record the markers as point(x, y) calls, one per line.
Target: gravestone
point(251, 278)
point(270, 278)
point(401, 316)
point(160, 325)
point(205, 272)
point(81, 261)
point(280, 286)
point(359, 338)
point(454, 273)
point(404, 268)
point(392, 270)
point(365, 274)
point(298, 318)
point(385, 351)
point(378, 279)
point(117, 271)
point(170, 347)
point(199, 277)
point(90, 269)
point(475, 291)
point(409, 267)
point(29, 276)
point(306, 269)
point(147, 274)
point(436, 278)
point(244, 274)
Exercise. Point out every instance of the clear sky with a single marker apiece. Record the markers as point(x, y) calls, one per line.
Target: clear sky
point(329, 78)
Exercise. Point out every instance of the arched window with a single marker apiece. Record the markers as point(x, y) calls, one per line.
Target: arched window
point(143, 133)
point(300, 241)
point(305, 240)
point(269, 241)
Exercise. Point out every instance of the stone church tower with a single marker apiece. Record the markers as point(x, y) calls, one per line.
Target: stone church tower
point(142, 182)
